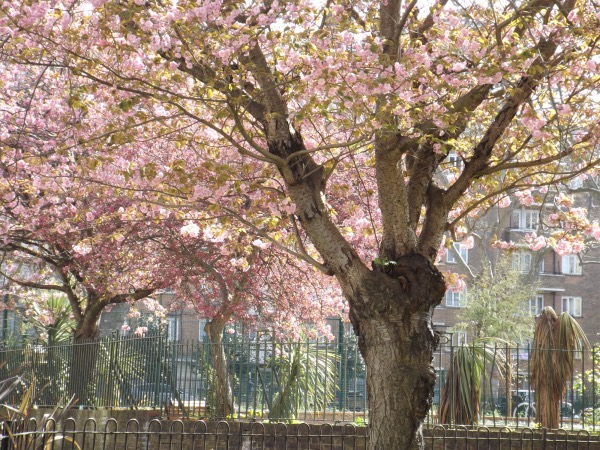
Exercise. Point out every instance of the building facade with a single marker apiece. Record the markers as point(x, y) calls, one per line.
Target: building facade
point(568, 283)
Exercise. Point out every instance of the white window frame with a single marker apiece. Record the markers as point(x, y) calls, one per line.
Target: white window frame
point(459, 338)
point(521, 261)
point(201, 332)
point(463, 252)
point(536, 304)
point(174, 328)
point(571, 265)
point(456, 299)
point(525, 219)
point(575, 183)
point(455, 160)
point(11, 323)
point(572, 305)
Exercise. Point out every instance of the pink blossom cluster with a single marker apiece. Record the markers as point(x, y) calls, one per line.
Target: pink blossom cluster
point(525, 197)
point(140, 331)
point(504, 245)
point(454, 282)
point(535, 242)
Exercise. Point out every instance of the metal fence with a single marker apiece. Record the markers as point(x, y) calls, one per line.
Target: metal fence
point(202, 435)
point(179, 378)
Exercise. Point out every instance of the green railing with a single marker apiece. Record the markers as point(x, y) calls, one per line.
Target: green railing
point(315, 380)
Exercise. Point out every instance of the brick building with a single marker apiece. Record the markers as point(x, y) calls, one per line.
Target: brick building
point(566, 283)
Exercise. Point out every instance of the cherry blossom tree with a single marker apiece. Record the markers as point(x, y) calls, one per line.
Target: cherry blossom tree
point(54, 246)
point(227, 277)
point(81, 260)
point(337, 124)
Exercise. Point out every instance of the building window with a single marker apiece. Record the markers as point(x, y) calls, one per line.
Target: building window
point(201, 332)
point(571, 265)
point(576, 183)
point(8, 324)
point(459, 338)
point(525, 219)
point(174, 328)
point(572, 305)
point(521, 261)
point(536, 304)
point(455, 160)
point(462, 251)
point(456, 299)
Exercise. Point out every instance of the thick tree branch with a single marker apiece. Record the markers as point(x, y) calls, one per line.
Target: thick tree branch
point(304, 178)
point(482, 152)
point(32, 285)
point(426, 161)
point(426, 25)
point(208, 76)
point(137, 294)
point(398, 237)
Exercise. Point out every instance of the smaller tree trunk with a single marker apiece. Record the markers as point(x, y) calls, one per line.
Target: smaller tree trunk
point(82, 374)
point(224, 405)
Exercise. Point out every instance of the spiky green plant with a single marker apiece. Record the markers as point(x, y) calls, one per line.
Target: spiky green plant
point(461, 395)
point(52, 319)
point(306, 376)
point(556, 340)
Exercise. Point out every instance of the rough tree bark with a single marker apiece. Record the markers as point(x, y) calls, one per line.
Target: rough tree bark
point(391, 314)
point(224, 404)
point(84, 362)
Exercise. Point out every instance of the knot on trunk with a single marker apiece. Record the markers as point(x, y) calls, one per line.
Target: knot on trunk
point(424, 385)
point(418, 277)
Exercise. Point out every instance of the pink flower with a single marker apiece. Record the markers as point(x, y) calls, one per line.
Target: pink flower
point(504, 202)
point(261, 244)
point(468, 243)
point(525, 197)
point(82, 248)
point(140, 331)
point(577, 246)
point(563, 199)
point(190, 230)
point(596, 233)
point(538, 243)
point(563, 247)
point(454, 282)
point(503, 245)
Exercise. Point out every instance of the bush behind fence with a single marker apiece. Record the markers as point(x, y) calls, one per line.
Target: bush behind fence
point(178, 378)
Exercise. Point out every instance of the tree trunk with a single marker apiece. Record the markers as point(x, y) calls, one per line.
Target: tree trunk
point(84, 362)
point(392, 315)
point(224, 405)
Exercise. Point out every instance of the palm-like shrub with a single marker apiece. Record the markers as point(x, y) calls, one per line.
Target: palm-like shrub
point(306, 376)
point(52, 319)
point(556, 340)
point(471, 367)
